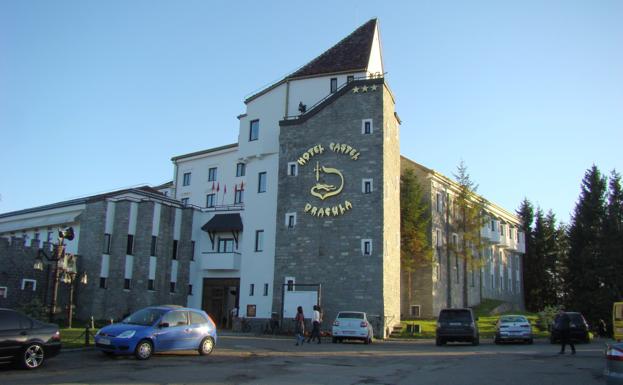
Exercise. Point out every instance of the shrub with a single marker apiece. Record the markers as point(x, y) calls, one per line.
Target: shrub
point(546, 317)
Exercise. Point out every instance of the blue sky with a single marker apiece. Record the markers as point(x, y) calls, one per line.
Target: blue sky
point(99, 95)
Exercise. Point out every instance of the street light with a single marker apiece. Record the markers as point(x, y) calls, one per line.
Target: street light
point(69, 277)
point(58, 254)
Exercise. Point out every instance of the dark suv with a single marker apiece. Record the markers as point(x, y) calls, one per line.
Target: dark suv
point(578, 329)
point(457, 325)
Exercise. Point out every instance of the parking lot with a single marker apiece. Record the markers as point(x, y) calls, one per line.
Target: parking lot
point(242, 359)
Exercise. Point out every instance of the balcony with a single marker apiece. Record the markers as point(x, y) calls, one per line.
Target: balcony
point(504, 241)
point(485, 232)
point(521, 243)
point(220, 261)
point(494, 236)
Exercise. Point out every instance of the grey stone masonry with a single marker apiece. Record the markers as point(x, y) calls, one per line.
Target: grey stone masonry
point(333, 215)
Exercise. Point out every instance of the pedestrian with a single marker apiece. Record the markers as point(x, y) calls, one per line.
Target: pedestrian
point(299, 326)
point(316, 319)
point(603, 329)
point(563, 324)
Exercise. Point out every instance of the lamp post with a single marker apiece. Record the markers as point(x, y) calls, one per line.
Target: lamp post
point(69, 277)
point(58, 255)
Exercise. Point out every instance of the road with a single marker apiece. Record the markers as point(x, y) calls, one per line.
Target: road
point(275, 361)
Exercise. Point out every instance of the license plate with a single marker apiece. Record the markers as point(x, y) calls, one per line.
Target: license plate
point(455, 324)
point(104, 341)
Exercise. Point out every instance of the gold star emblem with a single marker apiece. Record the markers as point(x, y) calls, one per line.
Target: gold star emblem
point(373, 88)
point(364, 88)
point(355, 90)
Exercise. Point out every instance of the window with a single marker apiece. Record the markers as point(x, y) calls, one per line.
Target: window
point(225, 245)
point(291, 220)
point(240, 169)
point(366, 186)
point(29, 284)
point(150, 285)
point(190, 289)
point(152, 249)
point(49, 237)
point(103, 283)
point(172, 287)
point(186, 179)
point(251, 289)
point(366, 126)
point(3, 291)
point(127, 283)
point(254, 130)
point(439, 202)
point(192, 250)
point(184, 201)
point(129, 250)
point(333, 85)
point(438, 236)
point(238, 196)
point(350, 78)
point(210, 198)
point(174, 252)
point(265, 290)
point(492, 225)
point(10, 320)
point(415, 311)
point(175, 318)
point(259, 240)
point(261, 182)
point(455, 240)
point(106, 244)
point(366, 246)
point(290, 281)
point(212, 174)
point(293, 169)
point(502, 226)
point(197, 318)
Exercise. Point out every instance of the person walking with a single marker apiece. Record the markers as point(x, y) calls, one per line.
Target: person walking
point(563, 323)
point(315, 333)
point(299, 326)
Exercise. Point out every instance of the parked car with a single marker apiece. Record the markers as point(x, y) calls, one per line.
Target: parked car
point(513, 328)
point(614, 364)
point(457, 325)
point(26, 341)
point(159, 329)
point(352, 325)
point(579, 331)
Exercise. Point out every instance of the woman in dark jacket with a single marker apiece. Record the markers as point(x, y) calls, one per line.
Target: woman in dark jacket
point(299, 326)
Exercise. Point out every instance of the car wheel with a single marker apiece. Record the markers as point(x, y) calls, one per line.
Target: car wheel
point(206, 346)
point(476, 341)
point(334, 340)
point(440, 341)
point(496, 341)
point(143, 350)
point(530, 341)
point(33, 356)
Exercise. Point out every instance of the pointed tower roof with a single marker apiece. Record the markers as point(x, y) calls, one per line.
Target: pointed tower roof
point(351, 54)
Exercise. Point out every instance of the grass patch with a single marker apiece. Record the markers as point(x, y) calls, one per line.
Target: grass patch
point(74, 337)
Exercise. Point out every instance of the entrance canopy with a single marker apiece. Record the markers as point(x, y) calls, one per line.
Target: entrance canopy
point(221, 223)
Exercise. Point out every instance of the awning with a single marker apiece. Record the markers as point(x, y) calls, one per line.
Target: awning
point(223, 222)
point(42, 222)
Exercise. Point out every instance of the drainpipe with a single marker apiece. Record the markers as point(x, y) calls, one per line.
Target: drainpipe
point(448, 263)
point(174, 186)
point(287, 97)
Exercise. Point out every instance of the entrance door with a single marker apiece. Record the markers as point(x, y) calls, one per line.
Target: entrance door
point(220, 296)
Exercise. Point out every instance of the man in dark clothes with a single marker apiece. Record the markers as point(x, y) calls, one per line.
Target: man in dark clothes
point(563, 323)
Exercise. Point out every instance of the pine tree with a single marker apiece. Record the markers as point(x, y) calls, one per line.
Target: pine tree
point(469, 217)
point(550, 257)
point(415, 226)
point(531, 283)
point(613, 236)
point(585, 275)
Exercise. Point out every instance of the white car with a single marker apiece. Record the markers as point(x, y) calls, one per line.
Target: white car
point(352, 325)
point(513, 328)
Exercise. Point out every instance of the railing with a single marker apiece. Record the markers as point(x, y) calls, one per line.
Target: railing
point(232, 207)
point(367, 77)
point(220, 261)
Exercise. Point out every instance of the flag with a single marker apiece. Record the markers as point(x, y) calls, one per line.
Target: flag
point(218, 187)
point(212, 186)
point(241, 186)
point(224, 189)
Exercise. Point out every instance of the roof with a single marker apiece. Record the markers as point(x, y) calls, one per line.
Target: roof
point(142, 190)
point(223, 222)
point(351, 54)
point(203, 152)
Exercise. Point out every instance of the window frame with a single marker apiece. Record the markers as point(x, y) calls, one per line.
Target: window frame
point(290, 220)
point(127, 284)
point(259, 240)
point(366, 247)
point(238, 197)
point(186, 178)
point(293, 169)
point(261, 177)
point(367, 122)
point(367, 185)
point(241, 169)
point(210, 200)
point(212, 174)
point(153, 245)
point(107, 240)
point(129, 247)
point(333, 85)
point(254, 134)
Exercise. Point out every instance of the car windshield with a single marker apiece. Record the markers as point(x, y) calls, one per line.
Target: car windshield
point(350, 315)
point(513, 318)
point(455, 315)
point(145, 317)
point(576, 317)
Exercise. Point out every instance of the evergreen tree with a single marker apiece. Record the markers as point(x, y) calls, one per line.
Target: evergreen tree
point(586, 269)
point(469, 217)
point(562, 263)
point(415, 227)
point(531, 282)
point(550, 257)
point(613, 236)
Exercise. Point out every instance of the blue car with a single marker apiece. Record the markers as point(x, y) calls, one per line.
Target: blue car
point(159, 329)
